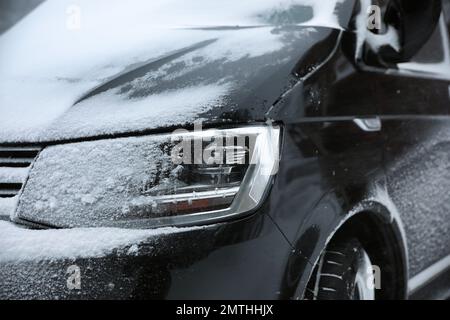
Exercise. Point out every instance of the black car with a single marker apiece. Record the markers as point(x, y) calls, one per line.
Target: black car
point(226, 150)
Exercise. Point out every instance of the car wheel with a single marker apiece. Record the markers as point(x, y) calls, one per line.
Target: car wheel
point(344, 272)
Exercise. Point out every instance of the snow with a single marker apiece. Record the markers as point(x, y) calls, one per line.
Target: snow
point(20, 244)
point(374, 41)
point(416, 194)
point(13, 175)
point(93, 184)
point(389, 38)
point(7, 206)
point(324, 13)
point(110, 111)
point(41, 104)
point(114, 39)
point(41, 77)
point(423, 172)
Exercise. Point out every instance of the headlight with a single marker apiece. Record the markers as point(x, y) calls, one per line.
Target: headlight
point(182, 178)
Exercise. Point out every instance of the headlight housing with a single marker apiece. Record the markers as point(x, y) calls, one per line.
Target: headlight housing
point(183, 178)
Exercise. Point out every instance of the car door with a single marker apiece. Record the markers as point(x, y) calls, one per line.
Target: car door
point(416, 130)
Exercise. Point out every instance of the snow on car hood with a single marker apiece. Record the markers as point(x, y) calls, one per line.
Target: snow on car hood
point(74, 69)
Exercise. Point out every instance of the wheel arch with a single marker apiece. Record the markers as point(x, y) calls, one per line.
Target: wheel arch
point(376, 232)
point(377, 225)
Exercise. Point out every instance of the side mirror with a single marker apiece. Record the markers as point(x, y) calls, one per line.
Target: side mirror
point(410, 22)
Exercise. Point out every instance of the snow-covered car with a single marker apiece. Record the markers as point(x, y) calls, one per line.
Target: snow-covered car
point(277, 149)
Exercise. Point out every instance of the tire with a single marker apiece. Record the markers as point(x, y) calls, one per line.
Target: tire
point(344, 272)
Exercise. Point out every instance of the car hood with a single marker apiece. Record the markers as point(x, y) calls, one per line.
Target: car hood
point(77, 69)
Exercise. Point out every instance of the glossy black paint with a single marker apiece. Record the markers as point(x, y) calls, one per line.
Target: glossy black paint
point(223, 261)
point(388, 187)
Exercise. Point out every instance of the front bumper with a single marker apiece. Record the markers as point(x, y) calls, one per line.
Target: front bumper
point(245, 259)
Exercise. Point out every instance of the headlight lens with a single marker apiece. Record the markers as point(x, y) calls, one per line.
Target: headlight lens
point(182, 178)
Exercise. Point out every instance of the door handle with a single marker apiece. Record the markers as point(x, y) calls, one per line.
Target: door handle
point(368, 124)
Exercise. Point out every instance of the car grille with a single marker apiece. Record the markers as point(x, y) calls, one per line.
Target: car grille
point(15, 163)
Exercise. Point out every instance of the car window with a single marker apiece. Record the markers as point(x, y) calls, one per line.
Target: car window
point(434, 57)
